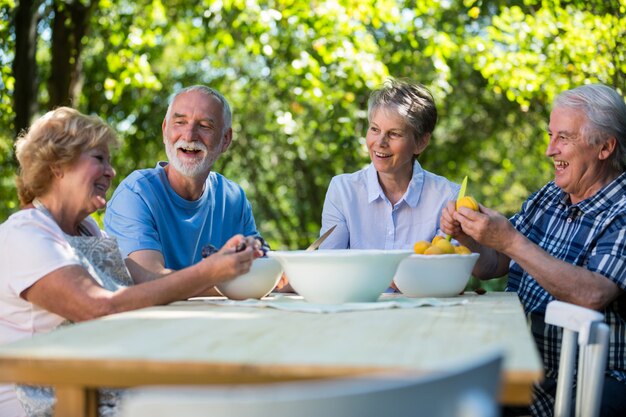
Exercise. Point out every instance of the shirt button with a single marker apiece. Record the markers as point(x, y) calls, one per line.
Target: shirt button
point(569, 219)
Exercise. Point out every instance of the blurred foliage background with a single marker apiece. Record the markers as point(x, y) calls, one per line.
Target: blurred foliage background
point(298, 75)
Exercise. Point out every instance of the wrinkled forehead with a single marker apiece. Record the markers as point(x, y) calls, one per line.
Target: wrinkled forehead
point(197, 105)
point(384, 110)
point(566, 119)
point(388, 115)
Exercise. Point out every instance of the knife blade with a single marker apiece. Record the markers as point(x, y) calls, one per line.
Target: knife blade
point(320, 239)
point(462, 190)
point(458, 197)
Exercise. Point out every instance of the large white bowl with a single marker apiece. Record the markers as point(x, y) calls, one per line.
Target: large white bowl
point(434, 275)
point(256, 283)
point(335, 276)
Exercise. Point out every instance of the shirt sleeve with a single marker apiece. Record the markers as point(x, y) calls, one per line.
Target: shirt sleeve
point(36, 247)
point(608, 257)
point(332, 214)
point(249, 225)
point(129, 219)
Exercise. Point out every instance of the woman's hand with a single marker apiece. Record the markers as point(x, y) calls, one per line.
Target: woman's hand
point(283, 285)
point(232, 260)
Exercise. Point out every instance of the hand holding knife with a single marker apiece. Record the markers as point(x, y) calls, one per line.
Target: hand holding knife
point(458, 197)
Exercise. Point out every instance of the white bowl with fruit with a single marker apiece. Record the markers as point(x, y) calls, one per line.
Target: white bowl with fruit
point(437, 269)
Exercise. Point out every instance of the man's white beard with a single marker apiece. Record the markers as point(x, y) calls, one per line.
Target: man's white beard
point(190, 169)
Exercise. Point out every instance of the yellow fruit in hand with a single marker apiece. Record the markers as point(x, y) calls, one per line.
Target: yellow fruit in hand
point(444, 245)
point(462, 250)
point(436, 238)
point(468, 202)
point(421, 246)
point(434, 250)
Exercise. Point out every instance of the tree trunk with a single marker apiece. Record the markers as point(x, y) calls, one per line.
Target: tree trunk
point(24, 64)
point(68, 29)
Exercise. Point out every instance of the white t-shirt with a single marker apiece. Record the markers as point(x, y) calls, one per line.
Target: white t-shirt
point(33, 246)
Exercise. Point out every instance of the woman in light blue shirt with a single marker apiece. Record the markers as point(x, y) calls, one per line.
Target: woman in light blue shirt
point(393, 202)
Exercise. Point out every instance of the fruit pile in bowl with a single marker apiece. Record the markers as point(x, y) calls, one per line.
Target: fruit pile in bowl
point(335, 276)
point(439, 246)
point(444, 275)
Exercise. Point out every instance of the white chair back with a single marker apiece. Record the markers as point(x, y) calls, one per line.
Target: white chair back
point(467, 391)
point(592, 346)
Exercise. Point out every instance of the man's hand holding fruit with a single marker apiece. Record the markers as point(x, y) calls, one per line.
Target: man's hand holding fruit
point(469, 222)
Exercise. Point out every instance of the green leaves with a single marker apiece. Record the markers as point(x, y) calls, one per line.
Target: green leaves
point(533, 54)
point(298, 75)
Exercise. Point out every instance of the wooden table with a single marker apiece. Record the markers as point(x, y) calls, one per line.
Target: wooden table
point(194, 342)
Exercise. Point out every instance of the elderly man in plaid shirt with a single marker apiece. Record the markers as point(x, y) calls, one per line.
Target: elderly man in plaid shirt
point(568, 242)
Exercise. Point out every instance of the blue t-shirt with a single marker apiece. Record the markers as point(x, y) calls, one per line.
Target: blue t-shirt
point(145, 213)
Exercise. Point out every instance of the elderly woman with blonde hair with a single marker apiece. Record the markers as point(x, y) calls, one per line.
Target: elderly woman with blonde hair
point(58, 267)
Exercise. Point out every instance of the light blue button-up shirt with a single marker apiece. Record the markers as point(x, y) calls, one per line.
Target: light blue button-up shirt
point(366, 219)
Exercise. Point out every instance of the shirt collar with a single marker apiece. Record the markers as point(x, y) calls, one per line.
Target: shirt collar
point(374, 190)
point(606, 197)
point(413, 192)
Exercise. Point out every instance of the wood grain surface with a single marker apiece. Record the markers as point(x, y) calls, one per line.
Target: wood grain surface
point(194, 342)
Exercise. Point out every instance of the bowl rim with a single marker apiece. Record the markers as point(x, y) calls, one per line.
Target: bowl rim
point(337, 253)
point(443, 255)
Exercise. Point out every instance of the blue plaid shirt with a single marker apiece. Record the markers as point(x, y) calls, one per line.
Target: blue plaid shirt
point(590, 234)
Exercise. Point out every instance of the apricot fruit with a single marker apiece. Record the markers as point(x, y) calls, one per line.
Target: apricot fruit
point(467, 201)
point(435, 239)
point(420, 246)
point(434, 250)
point(444, 245)
point(462, 250)
point(441, 246)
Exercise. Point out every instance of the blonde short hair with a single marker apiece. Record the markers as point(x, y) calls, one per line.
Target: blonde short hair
point(57, 139)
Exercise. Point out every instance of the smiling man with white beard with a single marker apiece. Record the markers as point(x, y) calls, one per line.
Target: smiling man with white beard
point(163, 216)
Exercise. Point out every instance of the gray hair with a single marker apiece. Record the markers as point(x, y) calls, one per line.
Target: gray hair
point(207, 91)
point(412, 101)
point(606, 114)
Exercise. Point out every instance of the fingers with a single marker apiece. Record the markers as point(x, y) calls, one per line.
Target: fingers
point(489, 212)
point(467, 213)
point(243, 249)
point(257, 246)
point(232, 243)
point(282, 282)
point(449, 208)
point(447, 223)
point(470, 225)
point(245, 254)
point(239, 243)
point(237, 263)
point(487, 227)
point(244, 265)
point(254, 243)
point(236, 256)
